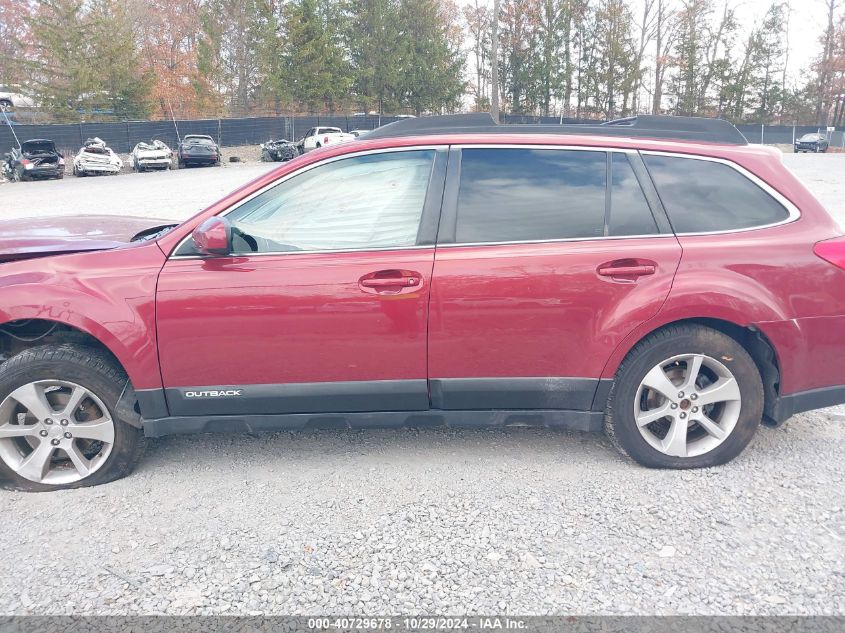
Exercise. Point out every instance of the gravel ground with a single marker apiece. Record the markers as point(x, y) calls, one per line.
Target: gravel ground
point(524, 521)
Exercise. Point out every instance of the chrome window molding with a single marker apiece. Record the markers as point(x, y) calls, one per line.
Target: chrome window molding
point(793, 213)
point(339, 251)
point(549, 146)
point(293, 174)
point(600, 238)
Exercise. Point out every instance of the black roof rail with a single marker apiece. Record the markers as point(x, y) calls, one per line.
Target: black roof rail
point(684, 128)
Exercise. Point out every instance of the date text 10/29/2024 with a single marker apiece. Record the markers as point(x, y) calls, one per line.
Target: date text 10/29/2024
point(416, 624)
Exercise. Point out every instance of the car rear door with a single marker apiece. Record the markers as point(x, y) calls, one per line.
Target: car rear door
point(323, 305)
point(541, 270)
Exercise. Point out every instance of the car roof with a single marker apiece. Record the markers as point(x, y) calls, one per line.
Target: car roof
point(641, 126)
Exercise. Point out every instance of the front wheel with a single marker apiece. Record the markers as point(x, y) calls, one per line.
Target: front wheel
point(686, 396)
point(58, 425)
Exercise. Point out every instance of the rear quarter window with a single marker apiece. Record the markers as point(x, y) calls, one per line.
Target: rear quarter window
point(702, 196)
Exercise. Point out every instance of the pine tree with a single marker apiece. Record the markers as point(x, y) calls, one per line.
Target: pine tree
point(85, 60)
point(314, 60)
point(374, 44)
point(430, 57)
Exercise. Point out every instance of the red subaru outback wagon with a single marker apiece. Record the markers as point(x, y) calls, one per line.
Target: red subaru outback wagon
point(656, 278)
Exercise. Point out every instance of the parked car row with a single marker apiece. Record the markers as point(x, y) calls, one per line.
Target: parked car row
point(39, 158)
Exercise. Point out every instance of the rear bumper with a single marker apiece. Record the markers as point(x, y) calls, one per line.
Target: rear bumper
point(201, 159)
point(92, 168)
point(785, 407)
point(154, 163)
point(50, 171)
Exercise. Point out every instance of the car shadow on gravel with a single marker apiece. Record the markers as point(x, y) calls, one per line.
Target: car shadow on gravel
point(436, 447)
point(433, 445)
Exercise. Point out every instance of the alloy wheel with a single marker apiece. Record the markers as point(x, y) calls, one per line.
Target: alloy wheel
point(687, 405)
point(55, 432)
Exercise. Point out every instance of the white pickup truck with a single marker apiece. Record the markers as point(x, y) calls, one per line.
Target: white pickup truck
point(319, 136)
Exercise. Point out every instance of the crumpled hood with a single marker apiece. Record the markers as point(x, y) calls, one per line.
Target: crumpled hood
point(40, 237)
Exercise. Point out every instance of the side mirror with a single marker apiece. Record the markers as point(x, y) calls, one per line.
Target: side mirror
point(213, 237)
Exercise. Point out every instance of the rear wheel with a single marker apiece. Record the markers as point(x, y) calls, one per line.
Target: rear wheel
point(685, 397)
point(58, 427)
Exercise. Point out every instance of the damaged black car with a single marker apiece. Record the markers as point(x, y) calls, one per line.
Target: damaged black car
point(279, 150)
point(197, 149)
point(36, 158)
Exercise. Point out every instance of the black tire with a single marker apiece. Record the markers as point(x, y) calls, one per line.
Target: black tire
point(93, 370)
point(60, 175)
point(6, 105)
point(620, 424)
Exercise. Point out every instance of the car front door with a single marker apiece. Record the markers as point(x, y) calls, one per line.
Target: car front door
point(308, 139)
point(541, 270)
point(322, 305)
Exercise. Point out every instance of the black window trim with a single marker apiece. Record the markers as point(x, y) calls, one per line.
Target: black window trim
point(429, 219)
point(446, 237)
point(793, 213)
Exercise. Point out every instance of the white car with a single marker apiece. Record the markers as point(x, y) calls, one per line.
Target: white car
point(96, 158)
point(319, 136)
point(152, 155)
point(10, 99)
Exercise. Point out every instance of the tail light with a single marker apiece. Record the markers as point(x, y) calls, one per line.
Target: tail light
point(25, 161)
point(832, 251)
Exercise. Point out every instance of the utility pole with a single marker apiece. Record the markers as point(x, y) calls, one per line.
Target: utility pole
point(494, 75)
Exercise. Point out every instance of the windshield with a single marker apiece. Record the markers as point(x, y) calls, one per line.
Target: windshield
point(199, 140)
point(811, 137)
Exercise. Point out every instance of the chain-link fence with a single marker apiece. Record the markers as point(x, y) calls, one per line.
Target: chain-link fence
point(122, 136)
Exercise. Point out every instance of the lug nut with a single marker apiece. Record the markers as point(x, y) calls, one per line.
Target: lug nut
point(54, 441)
point(68, 435)
point(64, 422)
point(673, 406)
point(681, 395)
point(694, 396)
point(695, 409)
point(683, 415)
point(42, 433)
point(48, 421)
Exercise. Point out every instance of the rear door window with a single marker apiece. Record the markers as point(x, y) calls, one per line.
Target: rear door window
point(702, 196)
point(521, 194)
